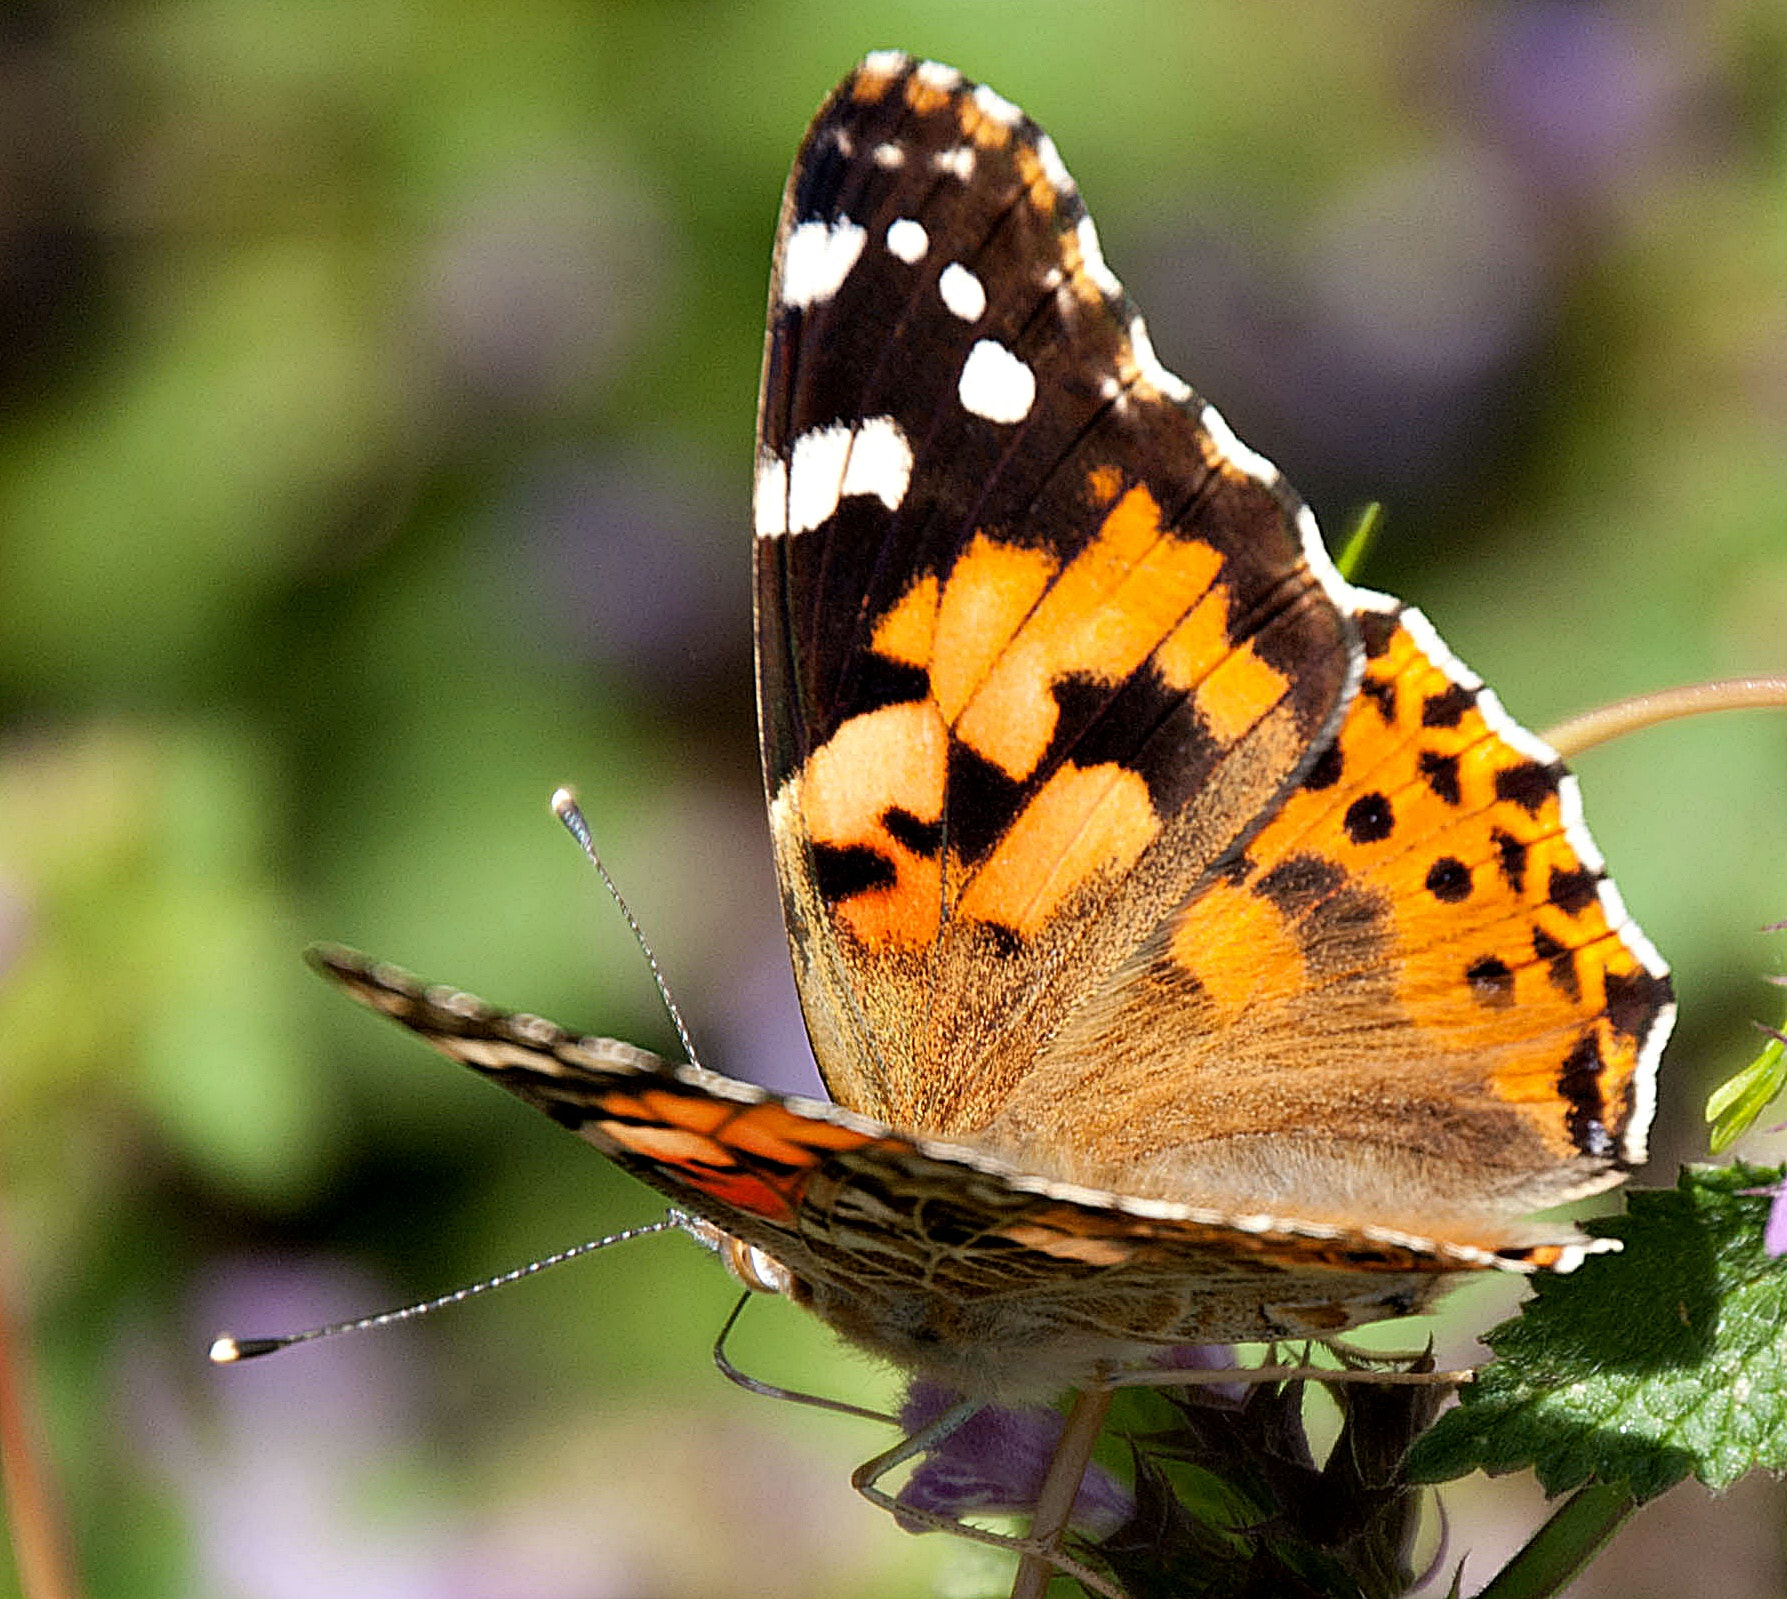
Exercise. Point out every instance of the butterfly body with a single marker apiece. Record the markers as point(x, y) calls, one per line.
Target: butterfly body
point(1195, 950)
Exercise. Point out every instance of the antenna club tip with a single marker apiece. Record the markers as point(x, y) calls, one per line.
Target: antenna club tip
point(568, 811)
point(228, 1351)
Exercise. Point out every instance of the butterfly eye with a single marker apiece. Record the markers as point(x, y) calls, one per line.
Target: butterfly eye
point(758, 1270)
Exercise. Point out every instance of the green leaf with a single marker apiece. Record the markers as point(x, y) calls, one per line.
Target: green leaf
point(1641, 1367)
point(1735, 1104)
point(1359, 540)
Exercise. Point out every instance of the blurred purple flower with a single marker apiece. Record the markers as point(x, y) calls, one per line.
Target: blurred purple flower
point(1774, 1236)
point(1204, 1357)
point(535, 292)
point(1387, 344)
point(1583, 97)
point(764, 1034)
point(994, 1463)
point(625, 555)
point(273, 1477)
point(1378, 346)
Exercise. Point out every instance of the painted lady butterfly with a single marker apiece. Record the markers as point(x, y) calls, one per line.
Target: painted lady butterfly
point(1194, 948)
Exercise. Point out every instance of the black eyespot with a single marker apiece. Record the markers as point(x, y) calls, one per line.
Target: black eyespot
point(1368, 819)
point(1511, 856)
point(1447, 708)
point(1572, 891)
point(1449, 879)
point(1381, 691)
point(1528, 785)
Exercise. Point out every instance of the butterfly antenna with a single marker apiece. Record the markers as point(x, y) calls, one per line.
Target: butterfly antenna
point(227, 1350)
point(567, 810)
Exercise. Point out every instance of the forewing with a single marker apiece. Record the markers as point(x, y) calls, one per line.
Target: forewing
point(1038, 641)
point(935, 1255)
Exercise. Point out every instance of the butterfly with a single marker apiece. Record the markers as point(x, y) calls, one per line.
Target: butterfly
point(1194, 949)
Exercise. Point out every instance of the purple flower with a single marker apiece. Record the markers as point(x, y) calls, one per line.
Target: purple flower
point(1585, 97)
point(994, 1463)
point(1774, 1236)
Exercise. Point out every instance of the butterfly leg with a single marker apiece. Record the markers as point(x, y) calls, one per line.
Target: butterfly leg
point(868, 1475)
point(1060, 1488)
point(870, 1472)
point(770, 1390)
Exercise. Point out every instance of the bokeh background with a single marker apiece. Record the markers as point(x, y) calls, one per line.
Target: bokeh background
point(376, 388)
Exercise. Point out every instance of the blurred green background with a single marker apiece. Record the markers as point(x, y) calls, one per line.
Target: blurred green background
point(376, 388)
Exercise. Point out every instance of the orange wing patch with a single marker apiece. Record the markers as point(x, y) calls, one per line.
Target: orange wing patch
point(997, 636)
point(1415, 977)
point(758, 1157)
point(1235, 687)
point(992, 589)
point(1101, 618)
point(1490, 911)
point(872, 798)
point(1086, 821)
point(1261, 960)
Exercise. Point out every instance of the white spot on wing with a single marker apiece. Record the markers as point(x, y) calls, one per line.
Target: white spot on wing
point(1320, 562)
point(1646, 952)
point(957, 161)
point(908, 240)
point(1092, 258)
point(1569, 804)
point(889, 157)
point(816, 476)
point(883, 63)
point(495, 1054)
point(1170, 384)
point(1053, 167)
point(769, 503)
point(817, 258)
point(1635, 1145)
point(1524, 741)
point(1232, 450)
point(935, 75)
point(1613, 906)
point(827, 465)
point(962, 292)
point(1428, 641)
point(996, 108)
point(880, 462)
point(995, 384)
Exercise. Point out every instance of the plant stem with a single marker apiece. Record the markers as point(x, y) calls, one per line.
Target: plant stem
point(1571, 738)
point(39, 1539)
point(1558, 1551)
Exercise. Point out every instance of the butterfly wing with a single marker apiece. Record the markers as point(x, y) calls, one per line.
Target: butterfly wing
point(1016, 830)
point(1418, 977)
point(936, 1256)
point(1038, 642)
